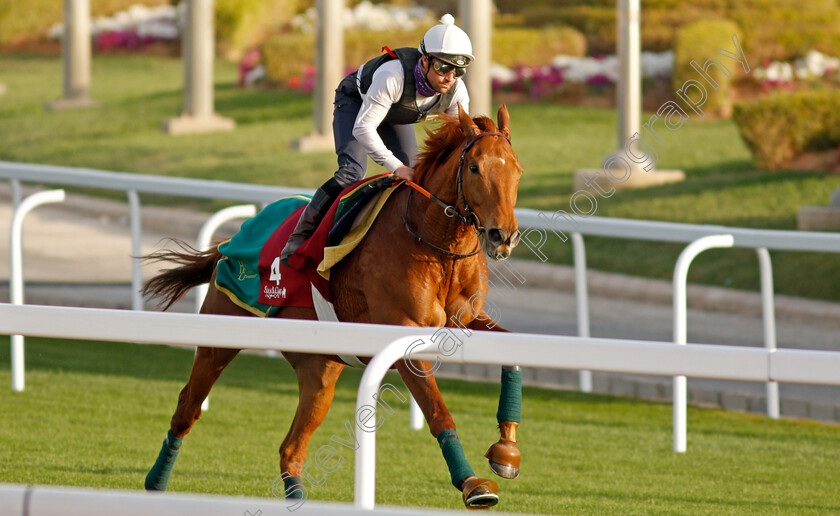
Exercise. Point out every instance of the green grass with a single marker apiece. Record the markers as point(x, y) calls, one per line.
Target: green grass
point(94, 414)
point(138, 92)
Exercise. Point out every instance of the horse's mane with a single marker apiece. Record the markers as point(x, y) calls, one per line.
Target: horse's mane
point(444, 139)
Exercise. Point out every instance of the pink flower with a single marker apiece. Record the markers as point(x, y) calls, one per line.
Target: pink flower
point(307, 85)
point(250, 61)
point(537, 91)
point(124, 39)
point(599, 80)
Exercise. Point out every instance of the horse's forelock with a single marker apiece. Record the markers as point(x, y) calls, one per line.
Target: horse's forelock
point(443, 139)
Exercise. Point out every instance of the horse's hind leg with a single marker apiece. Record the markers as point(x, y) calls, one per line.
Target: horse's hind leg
point(477, 492)
point(317, 376)
point(207, 367)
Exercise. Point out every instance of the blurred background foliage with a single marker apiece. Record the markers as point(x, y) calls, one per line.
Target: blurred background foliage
point(25, 19)
point(772, 29)
point(739, 171)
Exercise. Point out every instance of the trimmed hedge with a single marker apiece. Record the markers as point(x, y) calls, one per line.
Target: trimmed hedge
point(240, 24)
point(598, 24)
point(781, 127)
point(243, 24)
point(772, 29)
point(515, 6)
point(536, 47)
point(783, 34)
point(20, 18)
point(288, 55)
point(698, 42)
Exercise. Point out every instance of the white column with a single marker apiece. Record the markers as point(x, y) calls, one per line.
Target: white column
point(629, 68)
point(477, 22)
point(75, 54)
point(329, 64)
point(198, 54)
point(628, 104)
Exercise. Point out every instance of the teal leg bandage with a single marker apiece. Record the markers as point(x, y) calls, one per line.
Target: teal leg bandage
point(453, 453)
point(158, 476)
point(510, 399)
point(294, 488)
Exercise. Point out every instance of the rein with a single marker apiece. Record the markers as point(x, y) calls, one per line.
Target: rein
point(470, 219)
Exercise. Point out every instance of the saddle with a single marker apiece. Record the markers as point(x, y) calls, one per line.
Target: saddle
point(250, 272)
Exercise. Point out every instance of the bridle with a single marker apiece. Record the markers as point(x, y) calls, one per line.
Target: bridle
point(470, 219)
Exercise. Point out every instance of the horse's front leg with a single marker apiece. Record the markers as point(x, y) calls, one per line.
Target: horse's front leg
point(504, 455)
point(417, 376)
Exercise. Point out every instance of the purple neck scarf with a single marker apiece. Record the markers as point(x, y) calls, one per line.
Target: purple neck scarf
point(422, 84)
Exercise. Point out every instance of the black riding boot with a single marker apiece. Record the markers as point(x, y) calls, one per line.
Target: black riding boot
point(311, 218)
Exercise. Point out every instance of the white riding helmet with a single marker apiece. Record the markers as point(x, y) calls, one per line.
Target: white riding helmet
point(448, 42)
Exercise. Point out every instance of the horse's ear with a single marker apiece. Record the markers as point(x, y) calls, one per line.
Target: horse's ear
point(467, 124)
point(504, 120)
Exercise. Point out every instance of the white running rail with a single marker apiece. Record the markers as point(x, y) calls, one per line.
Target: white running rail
point(134, 185)
point(544, 223)
point(20, 500)
point(762, 240)
point(388, 343)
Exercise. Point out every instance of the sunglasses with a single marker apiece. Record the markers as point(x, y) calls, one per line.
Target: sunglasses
point(442, 68)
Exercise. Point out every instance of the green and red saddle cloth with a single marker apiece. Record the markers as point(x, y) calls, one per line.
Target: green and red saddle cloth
point(250, 272)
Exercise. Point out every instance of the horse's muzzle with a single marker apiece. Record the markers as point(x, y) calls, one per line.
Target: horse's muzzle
point(499, 243)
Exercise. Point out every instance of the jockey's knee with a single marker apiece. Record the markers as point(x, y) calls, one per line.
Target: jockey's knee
point(334, 186)
point(347, 175)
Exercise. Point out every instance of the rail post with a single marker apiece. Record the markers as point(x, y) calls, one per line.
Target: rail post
point(365, 484)
point(16, 272)
point(582, 296)
point(769, 321)
point(680, 323)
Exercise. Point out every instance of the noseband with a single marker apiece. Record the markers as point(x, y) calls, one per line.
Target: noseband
point(470, 219)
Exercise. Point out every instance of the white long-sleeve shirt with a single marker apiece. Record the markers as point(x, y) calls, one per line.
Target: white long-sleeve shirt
point(385, 90)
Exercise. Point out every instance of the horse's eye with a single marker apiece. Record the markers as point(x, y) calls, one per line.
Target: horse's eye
point(474, 168)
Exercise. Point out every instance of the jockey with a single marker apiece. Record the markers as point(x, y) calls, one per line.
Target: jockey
point(376, 107)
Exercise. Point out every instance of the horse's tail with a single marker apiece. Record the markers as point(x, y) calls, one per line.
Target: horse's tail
point(196, 268)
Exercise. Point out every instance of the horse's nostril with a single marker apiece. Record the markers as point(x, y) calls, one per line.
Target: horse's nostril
point(514, 238)
point(495, 236)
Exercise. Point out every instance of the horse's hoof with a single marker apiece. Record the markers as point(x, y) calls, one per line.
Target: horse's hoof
point(504, 457)
point(480, 493)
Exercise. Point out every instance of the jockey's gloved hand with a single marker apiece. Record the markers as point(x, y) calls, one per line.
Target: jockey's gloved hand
point(404, 172)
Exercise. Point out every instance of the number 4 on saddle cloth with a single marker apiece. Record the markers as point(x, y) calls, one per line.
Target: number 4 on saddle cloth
point(251, 273)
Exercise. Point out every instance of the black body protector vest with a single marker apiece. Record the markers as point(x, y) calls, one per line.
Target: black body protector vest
point(405, 111)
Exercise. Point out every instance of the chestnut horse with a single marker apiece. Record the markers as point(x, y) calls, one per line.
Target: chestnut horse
point(419, 265)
